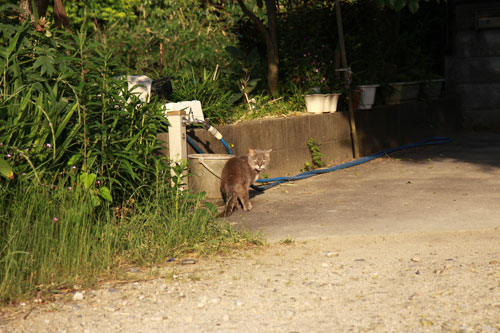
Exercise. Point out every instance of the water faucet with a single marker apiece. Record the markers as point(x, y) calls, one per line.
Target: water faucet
point(191, 119)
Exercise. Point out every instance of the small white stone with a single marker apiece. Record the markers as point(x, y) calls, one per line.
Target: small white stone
point(239, 303)
point(215, 300)
point(78, 296)
point(225, 318)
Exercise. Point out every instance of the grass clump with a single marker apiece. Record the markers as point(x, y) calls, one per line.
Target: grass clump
point(52, 236)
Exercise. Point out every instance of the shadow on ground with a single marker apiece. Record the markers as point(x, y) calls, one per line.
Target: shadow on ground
point(453, 186)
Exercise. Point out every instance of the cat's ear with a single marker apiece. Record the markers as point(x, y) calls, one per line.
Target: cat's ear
point(268, 151)
point(251, 151)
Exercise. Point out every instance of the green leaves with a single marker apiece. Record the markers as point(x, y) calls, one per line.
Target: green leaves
point(5, 169)
point(397, 5)
point(88, 180)
point(62, 109)
point(46, 64)
point(105, 193)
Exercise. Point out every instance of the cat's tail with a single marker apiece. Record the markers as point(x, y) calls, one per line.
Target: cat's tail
point(231, 201)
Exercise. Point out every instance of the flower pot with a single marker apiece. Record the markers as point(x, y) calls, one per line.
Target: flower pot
point(403, 92)
point(331, 102)
point(320, 103)
point(315, 103)
point(431, 89)
point(367, 96)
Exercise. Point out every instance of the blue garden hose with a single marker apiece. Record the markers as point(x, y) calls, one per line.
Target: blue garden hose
point(228, 149)
point(198, 150)
point(279, 180)
point(194, 145)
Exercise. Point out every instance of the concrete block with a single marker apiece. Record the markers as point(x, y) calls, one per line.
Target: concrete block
point(273, 134)
point(297, 131)
point(341, 128)
point(483, 118)
point(466, 13)
point(280, 165)
point(479, 95)
point(481, 43)
point(335, 152)
point(296, 158)
point(477, 70)
point(247, 135)
point(321, 127)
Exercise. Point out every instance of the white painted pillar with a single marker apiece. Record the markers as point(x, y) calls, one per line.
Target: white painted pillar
point(177, 144)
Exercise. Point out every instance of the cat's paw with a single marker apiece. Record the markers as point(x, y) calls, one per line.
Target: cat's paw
point(249, 207)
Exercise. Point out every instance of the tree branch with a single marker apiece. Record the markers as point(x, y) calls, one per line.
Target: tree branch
point(262, 28)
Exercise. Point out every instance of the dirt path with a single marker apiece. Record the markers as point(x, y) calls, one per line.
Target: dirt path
point(420, 282)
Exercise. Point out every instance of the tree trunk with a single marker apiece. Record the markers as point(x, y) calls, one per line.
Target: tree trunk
point(272, 48)
point(41, 8)
point(60, 16)
point(270, 36)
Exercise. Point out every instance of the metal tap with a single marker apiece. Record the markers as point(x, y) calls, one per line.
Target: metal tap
point(190, 119)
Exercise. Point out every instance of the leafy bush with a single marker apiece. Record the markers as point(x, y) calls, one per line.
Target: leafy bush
point(98, 12)
point(62, 108)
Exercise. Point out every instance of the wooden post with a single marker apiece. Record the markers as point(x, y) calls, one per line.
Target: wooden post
point(352, 122)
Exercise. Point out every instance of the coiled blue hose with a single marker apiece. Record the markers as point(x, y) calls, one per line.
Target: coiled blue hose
point(279, 180)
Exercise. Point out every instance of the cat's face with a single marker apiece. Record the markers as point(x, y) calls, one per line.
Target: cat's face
point(259, 159)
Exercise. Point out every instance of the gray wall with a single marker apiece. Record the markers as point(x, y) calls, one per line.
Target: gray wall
point(473, 73)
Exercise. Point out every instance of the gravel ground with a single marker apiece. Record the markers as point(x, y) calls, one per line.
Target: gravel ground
point(418, 282)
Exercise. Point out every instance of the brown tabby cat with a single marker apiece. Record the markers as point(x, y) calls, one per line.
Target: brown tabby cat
point(237, 176)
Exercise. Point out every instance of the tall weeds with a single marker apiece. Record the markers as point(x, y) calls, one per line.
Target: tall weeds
point(54, 236)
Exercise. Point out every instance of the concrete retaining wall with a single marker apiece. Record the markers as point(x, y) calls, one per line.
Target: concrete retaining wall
point(473, 72)
point(379, 128)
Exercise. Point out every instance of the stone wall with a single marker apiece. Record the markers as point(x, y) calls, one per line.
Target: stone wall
point(382, 127)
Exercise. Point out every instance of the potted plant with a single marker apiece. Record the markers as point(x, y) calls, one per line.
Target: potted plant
point(365, 87)
point(367, 94)
point(431, 89)
point(322, 95)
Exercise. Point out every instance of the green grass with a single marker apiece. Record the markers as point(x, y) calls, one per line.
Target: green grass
point(54, 237)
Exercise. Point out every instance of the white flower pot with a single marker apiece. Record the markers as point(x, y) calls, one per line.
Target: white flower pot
point(331, 102)
point(315, 103)
point(431, 89)
point(367, 96)
point(403, 92)
point(320, 103)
